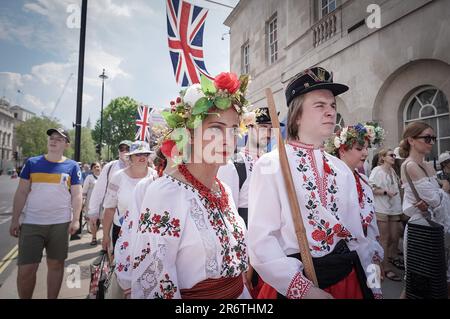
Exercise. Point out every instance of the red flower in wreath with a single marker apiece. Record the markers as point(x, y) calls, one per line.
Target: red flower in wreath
point(227, 82)
point(169, 148)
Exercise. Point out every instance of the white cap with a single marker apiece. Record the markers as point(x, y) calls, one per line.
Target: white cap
point(397, 153)
point(444, 157)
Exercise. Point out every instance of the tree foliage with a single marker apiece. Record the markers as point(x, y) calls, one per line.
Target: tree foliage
point(87, 147)
point(119, 123)
point(32, 135)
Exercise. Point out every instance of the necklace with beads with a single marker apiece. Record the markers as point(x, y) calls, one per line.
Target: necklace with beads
point(219, 201)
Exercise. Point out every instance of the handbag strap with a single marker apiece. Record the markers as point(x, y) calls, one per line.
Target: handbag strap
point(107, 183)
point(410, 182)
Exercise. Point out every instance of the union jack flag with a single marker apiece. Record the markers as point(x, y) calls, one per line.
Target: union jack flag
point(143, 123)
point(185, 24)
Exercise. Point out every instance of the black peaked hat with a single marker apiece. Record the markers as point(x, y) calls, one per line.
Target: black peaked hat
point(316, 78)
point(263, 116)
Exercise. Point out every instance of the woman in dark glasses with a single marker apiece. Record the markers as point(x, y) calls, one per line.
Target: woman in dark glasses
point(417, 142)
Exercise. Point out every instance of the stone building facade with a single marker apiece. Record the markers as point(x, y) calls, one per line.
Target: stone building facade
point(398, 70)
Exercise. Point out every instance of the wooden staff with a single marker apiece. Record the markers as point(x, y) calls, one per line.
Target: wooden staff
point(293, 201)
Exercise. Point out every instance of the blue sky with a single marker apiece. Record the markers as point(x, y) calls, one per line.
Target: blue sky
point(38, 52)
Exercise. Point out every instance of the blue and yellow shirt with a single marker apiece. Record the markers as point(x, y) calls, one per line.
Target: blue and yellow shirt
point(49, 201)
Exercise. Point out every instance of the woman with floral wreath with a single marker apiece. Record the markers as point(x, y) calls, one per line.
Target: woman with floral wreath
point(188, 240)
point(351, 145)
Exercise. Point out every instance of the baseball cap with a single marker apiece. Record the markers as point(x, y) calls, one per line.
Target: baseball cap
point(61, 132)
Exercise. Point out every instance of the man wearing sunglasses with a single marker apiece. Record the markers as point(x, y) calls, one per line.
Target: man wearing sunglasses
point(98, 193)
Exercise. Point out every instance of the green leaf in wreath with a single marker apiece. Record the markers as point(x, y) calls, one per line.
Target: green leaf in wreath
point(207, 85)
point(201, 106)
point(222, 103)
point(194, 122)
point(173, 120)
point(244, 79)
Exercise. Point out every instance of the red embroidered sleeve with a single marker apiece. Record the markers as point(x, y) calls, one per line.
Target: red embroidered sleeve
point(298, 287)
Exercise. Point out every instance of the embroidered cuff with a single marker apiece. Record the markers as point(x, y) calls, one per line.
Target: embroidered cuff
point(298, 287)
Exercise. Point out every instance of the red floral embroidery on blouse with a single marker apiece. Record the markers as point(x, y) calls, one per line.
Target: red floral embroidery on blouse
point(159, 224)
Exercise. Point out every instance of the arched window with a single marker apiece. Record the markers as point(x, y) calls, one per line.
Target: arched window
point(340, 124)
point(430, 105)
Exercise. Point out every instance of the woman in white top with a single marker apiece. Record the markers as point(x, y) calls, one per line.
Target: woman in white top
point(417, 142)
point(120, 191)
point(388, 207)
point(88, 186)
point(187, 240)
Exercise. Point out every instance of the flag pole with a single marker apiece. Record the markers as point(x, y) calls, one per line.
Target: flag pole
point(220, 4)
point(80, 81)
point(300, 231)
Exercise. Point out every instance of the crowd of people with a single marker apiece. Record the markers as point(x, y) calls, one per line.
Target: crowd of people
point(196, 218)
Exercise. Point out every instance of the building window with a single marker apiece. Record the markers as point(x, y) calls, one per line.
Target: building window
point(272, 32)
point(326, 7)
point(340, 124)
point(246, 58)
point(430, 105)
point(15, 115)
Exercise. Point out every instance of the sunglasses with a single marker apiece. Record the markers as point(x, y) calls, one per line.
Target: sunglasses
point(142, 154)
point(393, 155)
point(124, 149)
point(428, 138)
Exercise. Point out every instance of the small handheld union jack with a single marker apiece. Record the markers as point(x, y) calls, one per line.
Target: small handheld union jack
point(143, 123)
point(185, 24)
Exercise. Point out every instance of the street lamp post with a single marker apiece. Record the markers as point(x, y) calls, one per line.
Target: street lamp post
point(104, 77)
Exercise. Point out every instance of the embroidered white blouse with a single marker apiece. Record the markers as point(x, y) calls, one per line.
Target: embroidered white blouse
point(119, 193)
point(327, 195)
point(123, 249)
point(177, 242)
point(369, 219)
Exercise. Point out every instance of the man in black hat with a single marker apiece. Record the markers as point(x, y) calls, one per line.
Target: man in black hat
point(328, 199)
point(50, 185)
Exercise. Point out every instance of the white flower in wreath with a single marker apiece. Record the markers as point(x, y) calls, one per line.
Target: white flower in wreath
point(344, 135)
point(370, 132)
point(337, 142)
point(193, 94)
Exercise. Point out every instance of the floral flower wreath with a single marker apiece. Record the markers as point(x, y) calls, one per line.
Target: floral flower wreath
point(360, 133)
point(195, 103)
